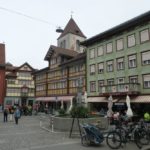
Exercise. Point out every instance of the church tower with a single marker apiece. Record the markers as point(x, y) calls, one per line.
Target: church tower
point(71, 37)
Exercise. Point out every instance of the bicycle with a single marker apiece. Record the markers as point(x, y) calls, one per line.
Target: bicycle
point(91, 134)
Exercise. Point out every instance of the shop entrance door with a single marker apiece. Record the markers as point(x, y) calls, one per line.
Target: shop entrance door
point(23, 101)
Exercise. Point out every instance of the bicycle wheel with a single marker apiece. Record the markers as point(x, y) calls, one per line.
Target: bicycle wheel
point(141, 138)
point(85, 141)
point(113, 140)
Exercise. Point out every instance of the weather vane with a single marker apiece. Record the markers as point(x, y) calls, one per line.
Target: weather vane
point(72, 13)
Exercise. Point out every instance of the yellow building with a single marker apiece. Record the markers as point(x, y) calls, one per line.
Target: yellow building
point(57, 84)
point(19, 85)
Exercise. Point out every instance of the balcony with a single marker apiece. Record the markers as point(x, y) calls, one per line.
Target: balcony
point(120, 89)
point(24, 94)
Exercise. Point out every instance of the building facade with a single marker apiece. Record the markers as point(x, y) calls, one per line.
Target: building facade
point(57, 84)
point(118, 64)
point(19, 85)
point(2, 73)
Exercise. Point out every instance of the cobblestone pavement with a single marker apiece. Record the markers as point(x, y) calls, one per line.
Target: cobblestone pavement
point(28, 135)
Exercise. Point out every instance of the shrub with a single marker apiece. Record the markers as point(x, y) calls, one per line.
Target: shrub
point(62, 112)
point(79, 112)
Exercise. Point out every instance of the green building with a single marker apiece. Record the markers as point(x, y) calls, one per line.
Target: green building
point(118, 64)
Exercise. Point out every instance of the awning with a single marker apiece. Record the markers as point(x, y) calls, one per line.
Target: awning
point(100, 99)
point(141, 99)
point(46, 99)
point(97, 99)
point(138, 99)
point(54, 99)
point(65, 98)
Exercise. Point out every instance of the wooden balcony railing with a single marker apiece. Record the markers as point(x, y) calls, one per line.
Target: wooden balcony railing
point(120, 89)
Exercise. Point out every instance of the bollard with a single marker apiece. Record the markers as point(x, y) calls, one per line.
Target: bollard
point(52, 123)
point(40, 123)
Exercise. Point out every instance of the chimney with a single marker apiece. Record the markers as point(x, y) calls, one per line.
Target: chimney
point(2, 53)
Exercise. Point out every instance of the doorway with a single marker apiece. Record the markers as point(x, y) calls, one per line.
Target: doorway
point(23, 101)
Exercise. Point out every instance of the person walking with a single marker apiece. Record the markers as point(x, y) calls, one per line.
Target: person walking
point(17, 115)
point(11, 112)
point(147, 117)
point(5, 113)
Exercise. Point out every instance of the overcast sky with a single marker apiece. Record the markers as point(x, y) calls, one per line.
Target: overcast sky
point(27, 39)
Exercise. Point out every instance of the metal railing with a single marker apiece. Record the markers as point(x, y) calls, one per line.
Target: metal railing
point(120, 88)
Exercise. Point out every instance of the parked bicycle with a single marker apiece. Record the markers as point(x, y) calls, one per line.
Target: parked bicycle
point(134, 132)
point(115, 138)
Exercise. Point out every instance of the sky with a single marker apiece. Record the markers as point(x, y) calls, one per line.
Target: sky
point(28, 27)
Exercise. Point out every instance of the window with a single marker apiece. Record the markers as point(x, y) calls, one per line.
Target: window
point(109, 66)
point(92, 53)
point(100, 67)
point(120, 80)
point(92, 69)
point(144, 35)
point(63, 72)
point(100, 84)
point(24, 74)
point(63, 44)
point(146, 81)
point(120, 84)
point(131, 40)
point(10, 81)
point(133, 79)
point(109, 48)
point(100, 50)
point(146, 58)
point(53, 61)
point(92, 86)
point(110, 82)
point(40, 87)
point(132, 61)
point(120, 63)
point(77, 45)
point(119, 44)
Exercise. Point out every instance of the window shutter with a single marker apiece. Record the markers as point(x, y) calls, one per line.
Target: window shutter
point(132, 57)
point(144, 35)
point(109, 47)
point(147, 77)
point(119, 44)
point(131, 40)
point(146, 56)
point(100, 50)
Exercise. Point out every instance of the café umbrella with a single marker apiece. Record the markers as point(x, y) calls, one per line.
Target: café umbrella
point(110, 103)
point(129, 110)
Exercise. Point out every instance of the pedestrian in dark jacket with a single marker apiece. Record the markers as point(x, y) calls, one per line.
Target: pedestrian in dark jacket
point(17, 115)
point(5, 113)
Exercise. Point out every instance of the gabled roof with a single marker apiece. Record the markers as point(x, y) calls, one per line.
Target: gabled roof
point(139, 20)
point(73, 28)
point(43, 70)
point(59, 51)
point(10, 67)
point(26, 65)
point(79, 57)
